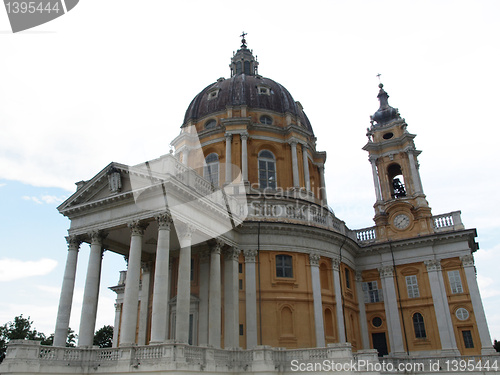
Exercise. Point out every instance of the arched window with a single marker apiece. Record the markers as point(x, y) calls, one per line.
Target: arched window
point(284, 266)
point(238, 67)
point(419, 326)
point(247, 67)
point(265, 119)
point(210, 124)
point(211, 170)
point(396, 181)
point(267, 170)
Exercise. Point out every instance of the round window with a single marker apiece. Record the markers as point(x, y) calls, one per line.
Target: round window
point(377, 322)
point(462, 314)
point(388, 135)
point(264, 119)
point(210, 124)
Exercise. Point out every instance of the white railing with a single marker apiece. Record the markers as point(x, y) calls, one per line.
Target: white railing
point(446, 222)
point(366, 235)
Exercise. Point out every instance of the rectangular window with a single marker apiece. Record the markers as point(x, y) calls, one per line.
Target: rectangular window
point(240, 267)
point(455, 281)
point(347, 278)
point(467, 335)
point(241, 329)
point(192, 269)
point(371, 292)
point(412, 286)
point(284, 266)
point(240, 284)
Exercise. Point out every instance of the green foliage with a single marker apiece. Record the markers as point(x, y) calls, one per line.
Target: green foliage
point(496, 345)
point(104, 337)
point(21, 329)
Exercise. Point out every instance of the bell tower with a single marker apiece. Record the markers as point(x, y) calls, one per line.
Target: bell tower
point(401, 210)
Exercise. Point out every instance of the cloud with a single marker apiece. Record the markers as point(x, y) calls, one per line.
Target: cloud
point(487, 286)
point(49, 199)
point(2, 185)
point(14, 269)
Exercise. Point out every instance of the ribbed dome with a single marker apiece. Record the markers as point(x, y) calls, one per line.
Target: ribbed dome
point(244, 89)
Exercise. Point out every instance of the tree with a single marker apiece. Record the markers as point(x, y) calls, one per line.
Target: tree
point(19, 329)
point(104, 337)
point(70, 339)
point(496, 345)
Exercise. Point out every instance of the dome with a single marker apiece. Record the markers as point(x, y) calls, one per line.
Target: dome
point(254, 91)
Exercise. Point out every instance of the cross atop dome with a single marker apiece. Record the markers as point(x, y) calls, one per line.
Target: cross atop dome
point(243, 41)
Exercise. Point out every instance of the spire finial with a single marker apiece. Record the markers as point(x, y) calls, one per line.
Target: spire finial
point(378, 76)
point(243, 41)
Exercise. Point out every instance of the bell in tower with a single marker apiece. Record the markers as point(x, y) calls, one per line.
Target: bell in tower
point(401, 210)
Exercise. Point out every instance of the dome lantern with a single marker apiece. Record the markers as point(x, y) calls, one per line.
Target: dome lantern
point(243, 61)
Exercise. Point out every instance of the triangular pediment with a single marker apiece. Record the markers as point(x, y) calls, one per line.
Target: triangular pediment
point(99, 187)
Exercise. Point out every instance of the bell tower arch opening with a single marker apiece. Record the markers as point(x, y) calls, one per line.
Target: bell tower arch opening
point(396, 179)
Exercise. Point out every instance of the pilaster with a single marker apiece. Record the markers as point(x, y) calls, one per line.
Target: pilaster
point(231, 300)
point(339, 309)
point(317, 303)
point(251, 298)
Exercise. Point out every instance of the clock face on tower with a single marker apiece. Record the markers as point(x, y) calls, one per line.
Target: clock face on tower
point(401, 221)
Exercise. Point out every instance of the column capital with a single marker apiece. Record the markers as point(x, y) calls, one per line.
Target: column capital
point(372, 159)
point(185, 231)
point(137, 227)
point(335, 263)
point(250, 255)
point(314, 259)
point(164, 220)
point(216, 246)
point(386, 271)
point(244, 136)
point(97, 236)
point(146, 267)
point(232, 253)
point(433, 265)
point(467, 260)
point(204, 256)
point(118, 307)
point(73, 242)
point(358, 276)
point(293, 142)
point(228, 136)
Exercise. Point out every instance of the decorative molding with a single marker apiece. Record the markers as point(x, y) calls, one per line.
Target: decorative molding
point(137, 227)
point(164, 220)
point(185, 231)
point(467, 260)
point(386, 271)
point(118, 307)
point(314, 259)
point(216, 246)
point(433, 265)
point(250, 256)
point(244, 136)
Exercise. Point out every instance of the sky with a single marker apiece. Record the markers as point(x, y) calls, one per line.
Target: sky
point(111, 80)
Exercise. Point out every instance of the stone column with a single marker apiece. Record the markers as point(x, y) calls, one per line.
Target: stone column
point(251, 298)
point(362, 311)
point(231, 300)
point(322, 183)
point(118, 311)
point(317, 303)
point(91, 292)
point(441, 307)
point(203, 309)
point(131, 295)
point(185, 233)
point(339, 309)
point(185, 156)
point(244, 156)
point(161, 288)
point(417, 183)
point(477, 304)
point(229, 176)
point(376, 181)
point(295, 164)
point(391, 309)
point(144, 304)
point(67, 290)
point(214, 299)
point(306, 167)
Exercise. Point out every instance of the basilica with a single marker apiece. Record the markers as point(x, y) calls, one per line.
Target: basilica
point(236, 263)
